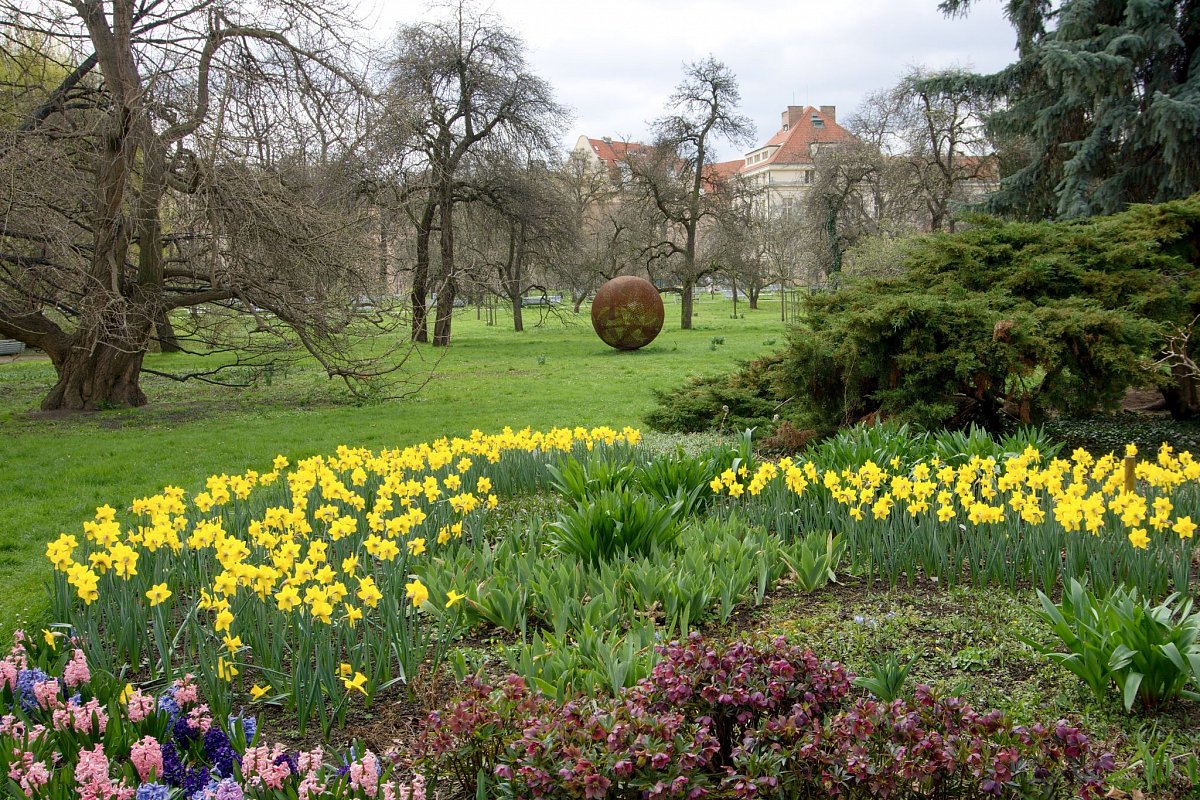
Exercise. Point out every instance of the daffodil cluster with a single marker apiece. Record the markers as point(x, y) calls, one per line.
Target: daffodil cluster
point(261, 567)
point(1019, 496)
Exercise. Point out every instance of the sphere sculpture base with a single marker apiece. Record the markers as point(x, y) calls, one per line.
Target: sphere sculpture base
point(627, 312)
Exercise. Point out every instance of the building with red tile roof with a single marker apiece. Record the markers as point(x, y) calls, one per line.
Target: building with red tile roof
point(785, 166)
point(783, 169)
point(609, 152)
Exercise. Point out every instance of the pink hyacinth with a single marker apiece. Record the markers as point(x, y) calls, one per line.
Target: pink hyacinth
point(46, 694)
point(139, 706)
point(93, 766)
point(82, 716)
point(146, 756)
point(199, 719)
point(186, 692)
point(28, 773)
point(11, 726)
point(309, 787)
point(91, 773)
point(364, 774)
point(309, 762)
point(8, 674)
point(259, 767)
point(76, 671)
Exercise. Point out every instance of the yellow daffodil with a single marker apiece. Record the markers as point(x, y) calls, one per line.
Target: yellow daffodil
point(157, 594)
point(357, 683)
point(416, 592)
point(1184, 527)
point(226, 671)
point(1138, 538)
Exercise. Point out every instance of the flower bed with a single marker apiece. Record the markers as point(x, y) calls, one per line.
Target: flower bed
point(296, 584)
point(318, 585)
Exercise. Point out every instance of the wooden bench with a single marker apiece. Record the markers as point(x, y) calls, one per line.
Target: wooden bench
point(11, 347)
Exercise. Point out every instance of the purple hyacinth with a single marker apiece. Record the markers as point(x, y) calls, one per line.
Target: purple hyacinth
point(153, 791)
point(228, 789)
point(196, 780)
point(219, 752)
point(174, 772)
point(27, 679)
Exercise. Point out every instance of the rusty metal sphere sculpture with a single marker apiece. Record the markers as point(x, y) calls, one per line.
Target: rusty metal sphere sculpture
point(627, 312)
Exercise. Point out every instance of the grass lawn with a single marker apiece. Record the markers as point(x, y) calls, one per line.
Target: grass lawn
point(55, 471)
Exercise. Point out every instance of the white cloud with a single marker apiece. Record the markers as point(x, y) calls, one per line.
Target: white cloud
point(616, 62)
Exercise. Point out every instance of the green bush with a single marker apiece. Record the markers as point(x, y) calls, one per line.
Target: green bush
point(699, 405)
point(999, 322)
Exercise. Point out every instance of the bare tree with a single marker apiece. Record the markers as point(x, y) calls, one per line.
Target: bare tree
point(178, 163)
point(460, 86)
point(918, 150)
point(614, 231)
point(516, 231)
point(675, 177)
point(947, 146)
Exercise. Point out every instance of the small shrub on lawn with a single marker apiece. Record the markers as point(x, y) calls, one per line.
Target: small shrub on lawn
point(1150, 651)
point(748, 720)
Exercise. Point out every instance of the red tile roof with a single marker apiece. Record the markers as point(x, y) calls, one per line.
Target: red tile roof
point(795, 144)
point(610, 151)
point(724, 170)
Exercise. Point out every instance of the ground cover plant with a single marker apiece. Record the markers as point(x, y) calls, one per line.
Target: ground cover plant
point(765, 720)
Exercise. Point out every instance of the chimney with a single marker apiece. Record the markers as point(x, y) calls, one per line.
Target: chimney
point(829, 113)
point(792, 116)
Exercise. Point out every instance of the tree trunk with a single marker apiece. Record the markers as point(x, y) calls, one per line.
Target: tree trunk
point(420, 281)
point(685, 321)
point(102, 378)
point(518, 322)
point(444, 314)
point(1182, 398)
point(752, 295)
point(579, 298)
point(445, 301)
point(164, 331)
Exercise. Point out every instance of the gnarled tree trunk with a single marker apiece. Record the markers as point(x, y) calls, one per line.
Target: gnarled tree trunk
point(90, 380)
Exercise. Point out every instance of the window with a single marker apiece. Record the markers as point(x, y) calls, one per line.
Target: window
point(808, 176)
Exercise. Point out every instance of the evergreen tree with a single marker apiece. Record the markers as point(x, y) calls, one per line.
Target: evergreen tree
point(1104, 99)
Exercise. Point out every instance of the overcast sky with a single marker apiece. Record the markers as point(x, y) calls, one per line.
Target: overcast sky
point(615, 62)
